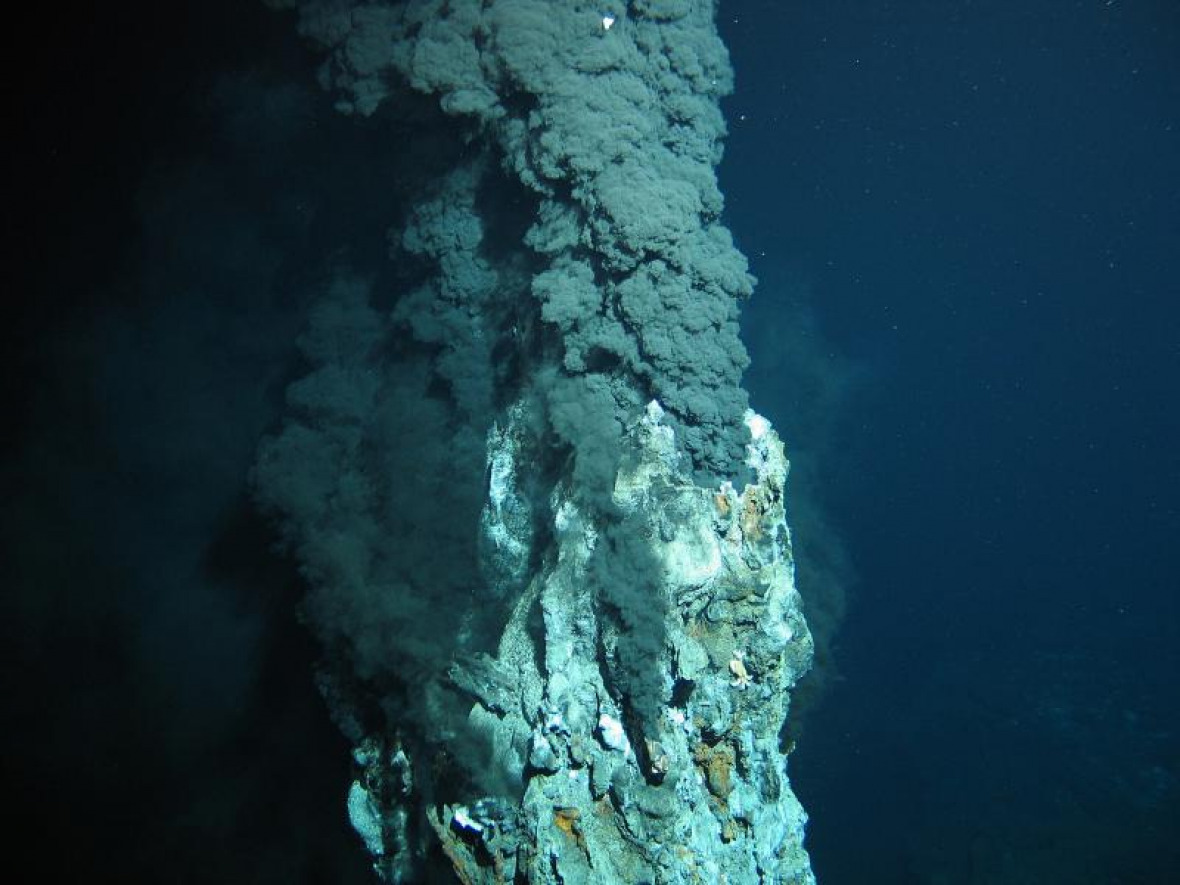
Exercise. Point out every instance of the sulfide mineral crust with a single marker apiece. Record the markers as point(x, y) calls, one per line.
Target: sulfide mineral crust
point(697, 793)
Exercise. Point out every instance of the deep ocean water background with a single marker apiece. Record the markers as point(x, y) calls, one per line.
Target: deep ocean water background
point(975, 208)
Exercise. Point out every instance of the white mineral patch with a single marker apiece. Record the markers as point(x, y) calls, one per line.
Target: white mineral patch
point(363, 816)
point(612, 733)
point(781, 631)
point(693, 557)
point(679, 719)
point(757, 424)
point(502, 479)
point(465, 821)
point(565, 516)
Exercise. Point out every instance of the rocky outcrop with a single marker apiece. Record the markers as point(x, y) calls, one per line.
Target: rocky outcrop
point(699, 795)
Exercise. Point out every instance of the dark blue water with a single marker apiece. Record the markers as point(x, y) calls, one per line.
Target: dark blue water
point(976, 207)
point(965, 218)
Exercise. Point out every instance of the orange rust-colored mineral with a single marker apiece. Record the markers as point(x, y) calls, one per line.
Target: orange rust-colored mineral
point(566, 819)
point(717, 764)
point(751, 516)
